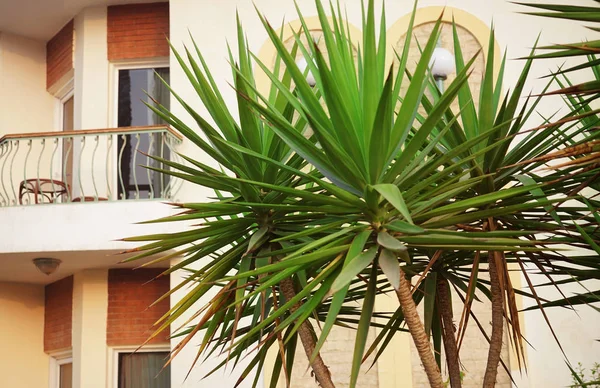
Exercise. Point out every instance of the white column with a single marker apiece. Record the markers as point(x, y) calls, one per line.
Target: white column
point(91, 99)
point(90, 306)
point(91, 69)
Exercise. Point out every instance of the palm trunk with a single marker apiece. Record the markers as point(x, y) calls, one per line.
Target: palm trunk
point(489, 380)
point(448, 333)
point(321, 372)
point(417, 332)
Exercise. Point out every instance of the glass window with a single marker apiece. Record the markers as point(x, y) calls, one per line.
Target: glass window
point(144, 370)
point(68, 111)
point(136, 88)
point(66, 375)
point(68, 115)
point(133, 86)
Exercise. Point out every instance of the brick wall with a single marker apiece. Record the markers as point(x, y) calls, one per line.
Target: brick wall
point(58, 315)
point(59, 55)
point(337, 353)
point(138, 31)
point(474, 350)
point(129, 295)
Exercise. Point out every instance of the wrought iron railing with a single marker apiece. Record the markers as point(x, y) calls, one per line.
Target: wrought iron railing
point(87, 165)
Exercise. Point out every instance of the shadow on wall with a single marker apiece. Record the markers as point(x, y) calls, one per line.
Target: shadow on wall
point(30, 296)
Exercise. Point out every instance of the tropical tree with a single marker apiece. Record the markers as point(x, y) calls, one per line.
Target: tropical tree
point(336, 192)
point(578, 96)
point(587, 50)
point(508, 163)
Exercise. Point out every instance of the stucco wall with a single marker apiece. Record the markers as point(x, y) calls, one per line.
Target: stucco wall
point(26, 106)
point(23, 363)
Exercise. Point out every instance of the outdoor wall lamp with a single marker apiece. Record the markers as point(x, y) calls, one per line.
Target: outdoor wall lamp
point(302, 65)
point(441, 63)
point(46, 265)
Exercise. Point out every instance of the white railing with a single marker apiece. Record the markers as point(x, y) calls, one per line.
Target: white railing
point(87, 165)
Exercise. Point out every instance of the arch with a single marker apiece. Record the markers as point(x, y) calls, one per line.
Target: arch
point(469, 22)
point(268, 52)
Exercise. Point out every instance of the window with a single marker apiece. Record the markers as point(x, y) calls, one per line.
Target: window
point(143, 370)
point(61, 370)
point(68, 118)
point(65, 375)
point(133, 86)
point(135, 181)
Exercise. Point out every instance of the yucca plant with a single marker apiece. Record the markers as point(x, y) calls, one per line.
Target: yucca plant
point(579, 13)
point(509, 162)
point(484, 143)
point(579, 96)
point(477, 160)
point(336, 192)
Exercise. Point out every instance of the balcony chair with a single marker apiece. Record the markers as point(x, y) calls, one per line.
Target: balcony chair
point(42, 189)
point(49, 190)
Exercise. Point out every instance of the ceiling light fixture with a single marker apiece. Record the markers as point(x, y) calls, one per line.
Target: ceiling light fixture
point(46, 265)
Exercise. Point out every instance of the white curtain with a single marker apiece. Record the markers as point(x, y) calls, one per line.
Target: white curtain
point(144, 370)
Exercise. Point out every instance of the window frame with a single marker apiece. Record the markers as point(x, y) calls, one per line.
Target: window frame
point(113, 358)
point(56, 360)
point(63, 96)
point(113, 92)
point(113, 99)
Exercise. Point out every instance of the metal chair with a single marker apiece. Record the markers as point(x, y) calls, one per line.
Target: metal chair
point(42, 189)
point(88, 199)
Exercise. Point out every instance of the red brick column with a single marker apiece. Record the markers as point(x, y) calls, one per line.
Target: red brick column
point(138, 31)
point(58, 315)
point(130, 293)
point(59, 55)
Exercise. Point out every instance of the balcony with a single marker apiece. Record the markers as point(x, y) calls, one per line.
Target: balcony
point(73, 195)
point(87, 166)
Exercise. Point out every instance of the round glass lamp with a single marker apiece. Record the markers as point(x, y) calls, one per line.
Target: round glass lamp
point(441, 63)
point(302, 65)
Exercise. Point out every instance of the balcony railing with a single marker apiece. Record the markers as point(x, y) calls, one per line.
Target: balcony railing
point(87, 165)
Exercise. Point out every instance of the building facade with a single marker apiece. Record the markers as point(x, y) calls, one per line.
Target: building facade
point(74, 130)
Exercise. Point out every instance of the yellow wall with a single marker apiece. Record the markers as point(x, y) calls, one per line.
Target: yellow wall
point(23, 363)
point(26, 105)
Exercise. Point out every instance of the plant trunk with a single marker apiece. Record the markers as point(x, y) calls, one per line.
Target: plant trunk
point(489, 380)
point(448, 332)
point(417, 332)
point(320, 370)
